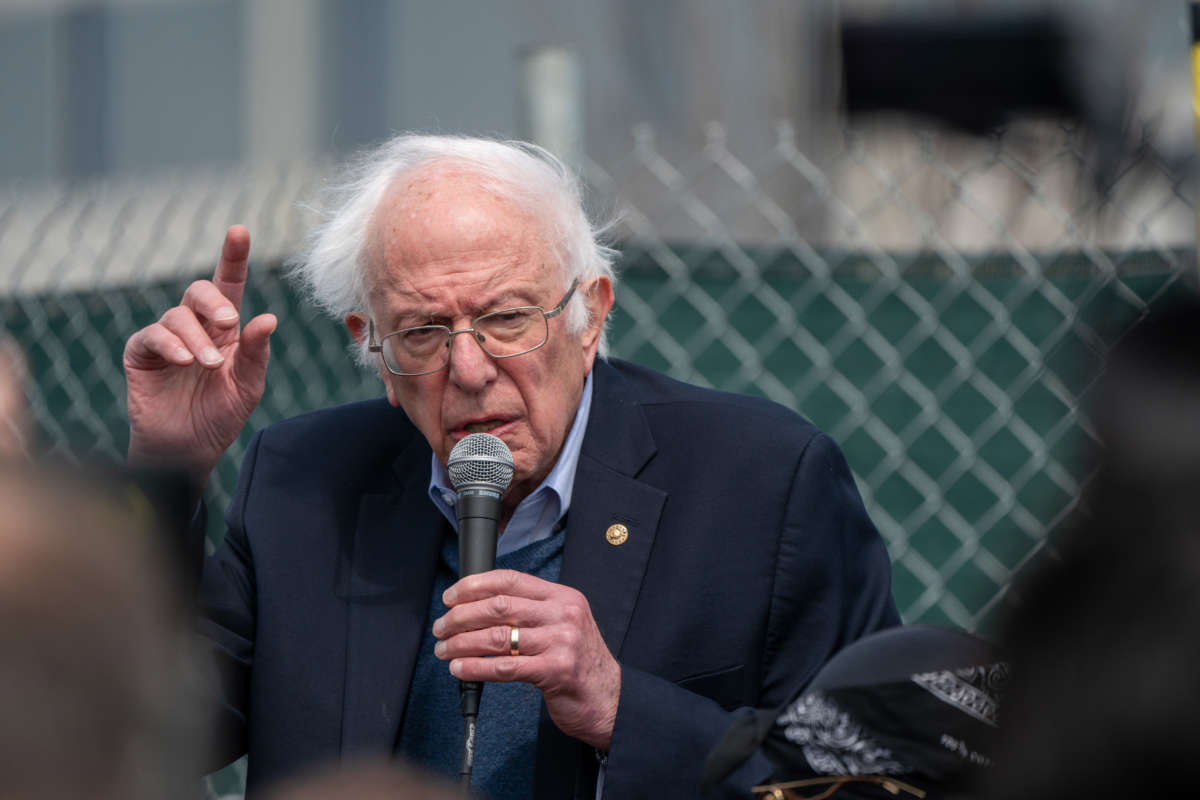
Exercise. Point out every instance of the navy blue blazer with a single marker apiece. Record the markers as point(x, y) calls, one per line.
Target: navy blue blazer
point(750, 561)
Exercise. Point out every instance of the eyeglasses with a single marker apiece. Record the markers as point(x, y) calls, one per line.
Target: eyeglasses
point(502, 334)
point(791, 789)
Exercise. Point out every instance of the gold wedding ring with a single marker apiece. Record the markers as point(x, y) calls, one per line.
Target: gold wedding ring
point(514, 641)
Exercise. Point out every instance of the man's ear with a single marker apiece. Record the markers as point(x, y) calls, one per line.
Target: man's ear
point(357, 323)
point(599, 298)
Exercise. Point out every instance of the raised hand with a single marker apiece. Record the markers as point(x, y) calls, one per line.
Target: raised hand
point(194, 377)
point(560, 648)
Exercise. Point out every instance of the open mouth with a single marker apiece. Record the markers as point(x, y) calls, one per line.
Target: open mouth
point(484, 426)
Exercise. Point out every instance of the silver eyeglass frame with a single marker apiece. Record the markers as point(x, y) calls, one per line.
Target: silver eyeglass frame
point(374, 346)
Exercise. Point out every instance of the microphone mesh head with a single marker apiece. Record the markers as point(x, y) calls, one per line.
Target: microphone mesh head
point(480, 458)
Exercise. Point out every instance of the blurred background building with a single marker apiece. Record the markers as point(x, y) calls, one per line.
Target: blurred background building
point(139, 85)
point(939, 303)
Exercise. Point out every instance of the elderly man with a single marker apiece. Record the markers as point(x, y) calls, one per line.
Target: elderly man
point(667, 555)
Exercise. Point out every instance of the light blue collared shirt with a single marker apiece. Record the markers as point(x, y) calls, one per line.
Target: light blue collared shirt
point(537, 515)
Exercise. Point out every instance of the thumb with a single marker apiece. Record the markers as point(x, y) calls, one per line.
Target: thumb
point(254, 348)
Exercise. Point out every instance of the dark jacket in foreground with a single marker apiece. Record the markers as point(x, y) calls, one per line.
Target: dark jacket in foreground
point(750, 561)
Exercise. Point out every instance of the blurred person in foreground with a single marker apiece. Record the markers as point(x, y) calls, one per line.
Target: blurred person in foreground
point(92, 655)
point(367, 780)
point(910, 711)
point(1104, 700)
point(15, 424)
point(667, 553)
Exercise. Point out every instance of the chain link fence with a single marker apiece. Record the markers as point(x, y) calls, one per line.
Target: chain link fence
point(939, 305)
point(942, 317)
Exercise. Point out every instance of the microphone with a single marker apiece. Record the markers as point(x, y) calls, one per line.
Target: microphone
point(481, 468)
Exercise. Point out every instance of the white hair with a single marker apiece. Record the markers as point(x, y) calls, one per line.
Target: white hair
point(332, 269)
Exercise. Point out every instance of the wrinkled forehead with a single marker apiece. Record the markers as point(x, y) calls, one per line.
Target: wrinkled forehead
point(449, 213)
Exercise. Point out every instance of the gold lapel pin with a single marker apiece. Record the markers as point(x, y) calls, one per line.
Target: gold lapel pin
point(616, 534)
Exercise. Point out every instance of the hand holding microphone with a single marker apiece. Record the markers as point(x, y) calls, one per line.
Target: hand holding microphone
point(509, 626)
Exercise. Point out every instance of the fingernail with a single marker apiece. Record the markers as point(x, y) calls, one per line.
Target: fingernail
point(450, 596)
point(225, 314)
point(439, 649)
point(438, 627)
point(210, 356)
point(455, 668)
point(183, 354)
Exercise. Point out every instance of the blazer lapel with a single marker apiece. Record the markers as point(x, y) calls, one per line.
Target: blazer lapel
point(610, 532)
point(387, 586)
point(607, 567)
point(605, 562)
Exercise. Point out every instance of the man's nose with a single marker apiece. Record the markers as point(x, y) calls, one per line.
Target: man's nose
point(471, 368)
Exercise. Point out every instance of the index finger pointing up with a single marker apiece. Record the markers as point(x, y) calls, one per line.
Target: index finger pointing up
point(230, 276)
